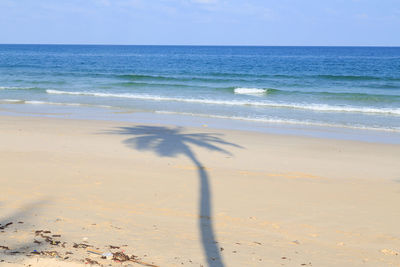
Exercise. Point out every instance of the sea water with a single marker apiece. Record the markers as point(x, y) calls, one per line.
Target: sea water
point(339, 87)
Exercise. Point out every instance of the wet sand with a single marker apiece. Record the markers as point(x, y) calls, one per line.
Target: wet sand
point(193, 196)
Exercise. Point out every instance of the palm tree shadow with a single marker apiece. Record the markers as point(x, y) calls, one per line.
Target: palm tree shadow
point(22, 214)
point(172, 142)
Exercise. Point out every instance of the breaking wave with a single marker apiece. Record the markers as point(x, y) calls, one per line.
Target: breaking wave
point(302, 106)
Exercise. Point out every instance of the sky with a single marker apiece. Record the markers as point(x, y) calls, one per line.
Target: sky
point(201, 22)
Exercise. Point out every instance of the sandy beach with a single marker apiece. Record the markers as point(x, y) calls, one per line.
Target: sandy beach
point(176, 196)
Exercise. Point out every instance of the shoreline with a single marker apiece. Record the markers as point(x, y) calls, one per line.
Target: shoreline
point(187, 120)
point(169, 193)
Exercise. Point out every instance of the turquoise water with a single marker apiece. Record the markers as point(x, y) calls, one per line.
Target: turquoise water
point(345, 87)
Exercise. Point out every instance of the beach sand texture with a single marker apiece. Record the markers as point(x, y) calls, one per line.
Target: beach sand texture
point(176, 196)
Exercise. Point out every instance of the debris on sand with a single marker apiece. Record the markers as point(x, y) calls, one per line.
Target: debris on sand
point(47, 253)
point(120, 256)
point(94, 251)
point(45, 237)
point(75, 245)
point(90, 261)
point(50, 253)
point(48, 239)
point(54, 243)
point(2, 227)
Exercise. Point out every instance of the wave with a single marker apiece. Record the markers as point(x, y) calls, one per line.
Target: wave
point(247, 76)
point(301, 106)
point(164, 81)
point(361, 97)
point(49, 82)
point(15, 88)
point(144, 77)
point(158, 85)
point(250, 91)
point(284, 121)
point(355, 78)
point(341, 95)
point(262, 91)
point(11, 100)
point(320, 76)
point(182, 78)
point(216, 77)
point(206, 76)
point(35, 102)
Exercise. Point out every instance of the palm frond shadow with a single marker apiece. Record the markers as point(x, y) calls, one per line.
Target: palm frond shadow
point(21, 215)
point(172, 142)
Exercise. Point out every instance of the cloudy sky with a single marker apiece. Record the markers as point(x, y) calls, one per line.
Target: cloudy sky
point(201, 22)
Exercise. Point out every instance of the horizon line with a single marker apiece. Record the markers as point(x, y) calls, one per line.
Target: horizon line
point(197, 45)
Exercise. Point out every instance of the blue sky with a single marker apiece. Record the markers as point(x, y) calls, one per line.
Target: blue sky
point(201, 22)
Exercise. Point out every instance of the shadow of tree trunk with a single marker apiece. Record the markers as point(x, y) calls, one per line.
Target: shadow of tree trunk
point(171, 142)
point(205, 222)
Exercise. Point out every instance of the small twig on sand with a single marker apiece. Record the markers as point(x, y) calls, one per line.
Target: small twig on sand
point(143, 263)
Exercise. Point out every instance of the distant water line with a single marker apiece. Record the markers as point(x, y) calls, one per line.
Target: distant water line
point(348, 87)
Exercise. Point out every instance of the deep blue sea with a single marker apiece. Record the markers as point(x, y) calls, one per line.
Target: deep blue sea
point(341, 87)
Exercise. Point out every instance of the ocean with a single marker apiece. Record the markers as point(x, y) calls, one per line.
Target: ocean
point(330, 87)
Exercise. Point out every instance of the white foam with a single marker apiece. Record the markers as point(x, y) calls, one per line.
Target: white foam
point(250, 91)
point(13, 88)
point(312, 107)
point(63, 104)
point(11, 100)
point(284, 121)
point(35, 102)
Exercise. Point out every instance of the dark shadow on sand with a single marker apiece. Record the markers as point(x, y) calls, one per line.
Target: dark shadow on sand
point(172, 142)
point(20, 218)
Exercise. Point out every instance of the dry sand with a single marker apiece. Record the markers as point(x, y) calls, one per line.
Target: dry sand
point(193, 197)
